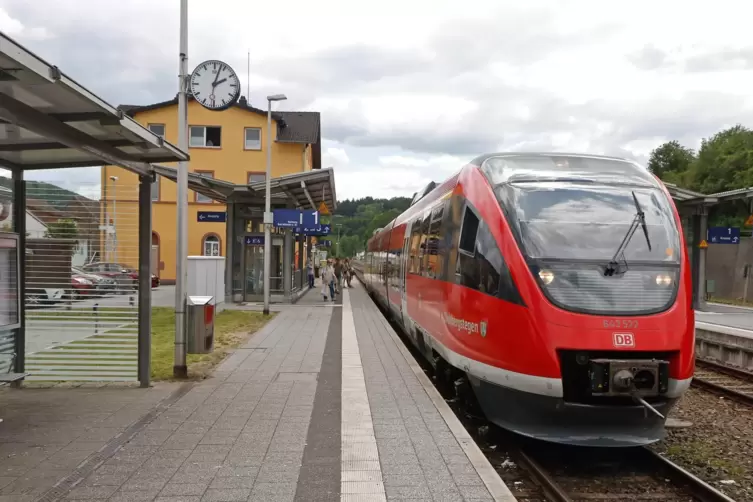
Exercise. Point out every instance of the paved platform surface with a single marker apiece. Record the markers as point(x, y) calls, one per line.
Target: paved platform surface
point(323, 404)
point(727, 315)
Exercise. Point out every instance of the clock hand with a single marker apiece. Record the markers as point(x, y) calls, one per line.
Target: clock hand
point(219, 82)
point(214, 84)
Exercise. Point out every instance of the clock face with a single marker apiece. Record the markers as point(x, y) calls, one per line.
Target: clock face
point(215, 85)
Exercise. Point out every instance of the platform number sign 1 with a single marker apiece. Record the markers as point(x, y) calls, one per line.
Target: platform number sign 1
point(623, 340)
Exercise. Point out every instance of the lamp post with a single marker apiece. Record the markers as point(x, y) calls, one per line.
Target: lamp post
point(268, 201)
point(114, 180)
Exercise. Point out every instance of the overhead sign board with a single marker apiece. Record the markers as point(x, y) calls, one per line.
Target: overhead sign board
point(293, 218)
point(254, 240)
point(323, 209)
point(723, 235)
point(286, 218)
point(211, 216)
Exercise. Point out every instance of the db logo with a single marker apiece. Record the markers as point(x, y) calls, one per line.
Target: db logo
point(623, 339)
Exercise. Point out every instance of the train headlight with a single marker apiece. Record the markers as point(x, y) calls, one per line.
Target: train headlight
point(546, 276)
point(663, 280)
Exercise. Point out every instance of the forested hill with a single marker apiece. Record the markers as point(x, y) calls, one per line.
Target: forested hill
point(360, 217)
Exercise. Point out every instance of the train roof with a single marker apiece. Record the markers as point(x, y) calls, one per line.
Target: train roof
point(510, 167)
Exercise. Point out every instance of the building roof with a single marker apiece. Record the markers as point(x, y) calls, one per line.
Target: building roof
point(49, 121)
point(304, 190)
point(292, 127)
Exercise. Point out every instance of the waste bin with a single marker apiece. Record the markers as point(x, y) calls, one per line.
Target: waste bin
point(200, 325)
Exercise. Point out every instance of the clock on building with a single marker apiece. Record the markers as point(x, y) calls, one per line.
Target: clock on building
point(215, 85)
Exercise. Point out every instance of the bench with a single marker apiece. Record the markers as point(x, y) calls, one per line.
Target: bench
point(11, 377)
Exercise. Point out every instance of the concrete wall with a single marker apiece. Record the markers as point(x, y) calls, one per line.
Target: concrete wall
point(725, 264)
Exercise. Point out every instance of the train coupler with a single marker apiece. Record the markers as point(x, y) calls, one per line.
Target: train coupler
point(637, 378)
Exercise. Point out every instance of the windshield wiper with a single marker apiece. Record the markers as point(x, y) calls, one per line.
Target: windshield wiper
point(640, 218)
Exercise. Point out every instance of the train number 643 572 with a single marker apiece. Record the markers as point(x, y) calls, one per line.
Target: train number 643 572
point(620, 323)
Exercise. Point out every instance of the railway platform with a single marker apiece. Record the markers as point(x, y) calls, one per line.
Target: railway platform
point(325, 403)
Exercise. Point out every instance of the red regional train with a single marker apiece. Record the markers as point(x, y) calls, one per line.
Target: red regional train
point(557, 285)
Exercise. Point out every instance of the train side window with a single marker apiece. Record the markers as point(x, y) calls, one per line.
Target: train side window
point(425, 223)
point(468, 232)
point(415, 236)
point(466, 266)
point(433, 257)
point(488, 260)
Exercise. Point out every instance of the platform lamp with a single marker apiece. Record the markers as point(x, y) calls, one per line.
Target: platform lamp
point(268, 220)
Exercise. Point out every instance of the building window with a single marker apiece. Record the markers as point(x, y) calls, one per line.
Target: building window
point(203, 198)
point(155, 188)
point(205, 137)
point(158, 129)
point(252, 138)
point(211, 245)
point(256, 177)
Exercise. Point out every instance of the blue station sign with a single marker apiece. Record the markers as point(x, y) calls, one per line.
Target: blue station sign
point(294, 218)
point(211, 216)
point(314, 230)
point(723, 235)
point(254, 240)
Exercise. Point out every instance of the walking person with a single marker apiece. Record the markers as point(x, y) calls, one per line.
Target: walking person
point(348, 272)
point(338, 274)
point(328, 281)
point(310, 268)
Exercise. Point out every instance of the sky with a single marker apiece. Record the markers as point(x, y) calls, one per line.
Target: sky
point(410, 91)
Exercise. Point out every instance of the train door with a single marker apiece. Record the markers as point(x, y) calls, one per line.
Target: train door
point(404, 264)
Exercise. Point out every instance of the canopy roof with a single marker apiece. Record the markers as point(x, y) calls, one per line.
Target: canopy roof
point(49, 121)
point(305, 190)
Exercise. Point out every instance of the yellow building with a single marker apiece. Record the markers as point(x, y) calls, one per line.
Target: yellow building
point(227, 145)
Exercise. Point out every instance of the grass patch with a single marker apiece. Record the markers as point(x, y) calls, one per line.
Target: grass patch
point(702, 454)
point(231, 328)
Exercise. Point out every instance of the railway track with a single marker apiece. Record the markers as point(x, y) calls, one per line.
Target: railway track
point(537, 471)
point(724, 380)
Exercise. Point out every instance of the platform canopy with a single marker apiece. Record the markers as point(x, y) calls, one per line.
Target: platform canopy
point(49, 121)
point(305, 190)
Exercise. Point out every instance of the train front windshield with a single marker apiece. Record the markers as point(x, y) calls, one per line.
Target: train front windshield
point(573, 233)
point(567, 221)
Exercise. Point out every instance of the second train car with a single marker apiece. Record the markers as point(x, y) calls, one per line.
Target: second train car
point(557, 284)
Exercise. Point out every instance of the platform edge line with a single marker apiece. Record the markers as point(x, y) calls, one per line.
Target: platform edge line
point(499, 491)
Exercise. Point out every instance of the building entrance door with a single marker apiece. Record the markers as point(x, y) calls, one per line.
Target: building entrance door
point(254, 268)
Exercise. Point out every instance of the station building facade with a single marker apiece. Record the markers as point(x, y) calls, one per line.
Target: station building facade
point(228, 145)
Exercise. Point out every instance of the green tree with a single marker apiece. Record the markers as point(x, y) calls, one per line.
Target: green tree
point(671, 162)
point(64, 228)
point(725, 161)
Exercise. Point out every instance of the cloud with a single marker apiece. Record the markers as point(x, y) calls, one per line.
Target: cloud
point(411, 91)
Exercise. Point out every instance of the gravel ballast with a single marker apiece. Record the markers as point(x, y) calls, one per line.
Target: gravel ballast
point(718, 446)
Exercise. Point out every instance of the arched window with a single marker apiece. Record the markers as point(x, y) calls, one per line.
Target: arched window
point(211, 245)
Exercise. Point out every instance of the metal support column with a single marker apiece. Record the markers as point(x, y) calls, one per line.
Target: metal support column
point(703, 226)
point(303, 274)
point(19, 226)
point(287, 264)
point(695, 254)
point(145, 280)
point(229, 250)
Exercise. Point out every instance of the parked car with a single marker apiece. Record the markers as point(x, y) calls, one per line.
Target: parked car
point(102, 284)
point(126, 277)
point(81, 287)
